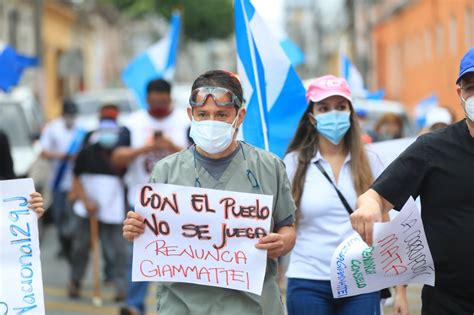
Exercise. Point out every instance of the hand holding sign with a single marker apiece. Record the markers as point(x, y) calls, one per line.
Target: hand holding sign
point(133, 226)
point(21, 285)
point(368, 212)
point(399, 255)
point(201, 236)
point(35, 203)
point(273, 243)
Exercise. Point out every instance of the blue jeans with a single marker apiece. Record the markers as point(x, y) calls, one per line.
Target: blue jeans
point(136, 295)
point(136, 291)
point(314, 297)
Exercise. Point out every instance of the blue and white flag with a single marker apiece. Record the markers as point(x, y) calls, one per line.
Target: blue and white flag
point(274, 92)
point(12, 65)
point(355, 80)
point(158, 61)
point(423, 107)
point(293, 52)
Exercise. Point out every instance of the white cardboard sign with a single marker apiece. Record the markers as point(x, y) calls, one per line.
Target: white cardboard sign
point(399, 255)
point(201, 236)
point(21, 284)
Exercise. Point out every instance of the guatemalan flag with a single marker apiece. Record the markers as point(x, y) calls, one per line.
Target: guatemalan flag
point(12, 65)
point(274, 92)
point(355, 80)
point(158, 61)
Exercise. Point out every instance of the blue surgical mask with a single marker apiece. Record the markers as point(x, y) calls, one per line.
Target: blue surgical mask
point(333, 125)
point(108, 139)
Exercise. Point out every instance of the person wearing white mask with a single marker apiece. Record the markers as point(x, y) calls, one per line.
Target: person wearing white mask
point(438, 167)
point(219, 161)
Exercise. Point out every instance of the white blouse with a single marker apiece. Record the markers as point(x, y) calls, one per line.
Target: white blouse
point(324, 221)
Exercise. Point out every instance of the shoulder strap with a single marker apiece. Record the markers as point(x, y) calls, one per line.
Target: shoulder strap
point(73, 148)
point(341, 196)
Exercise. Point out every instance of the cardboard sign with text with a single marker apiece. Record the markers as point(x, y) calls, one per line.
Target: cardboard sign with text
point(201, 236)
point(21, 283)
point(399, 255)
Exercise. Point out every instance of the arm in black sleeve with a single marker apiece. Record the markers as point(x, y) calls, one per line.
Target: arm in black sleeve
point(404, 176)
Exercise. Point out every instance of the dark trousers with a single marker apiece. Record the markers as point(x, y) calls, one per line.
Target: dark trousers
point(439, 301)
point(63, 218)
point(111, 237)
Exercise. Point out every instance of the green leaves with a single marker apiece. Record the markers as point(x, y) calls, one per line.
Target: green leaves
point(202, 19)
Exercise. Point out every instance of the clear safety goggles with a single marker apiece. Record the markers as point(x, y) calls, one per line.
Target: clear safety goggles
point(221, 96)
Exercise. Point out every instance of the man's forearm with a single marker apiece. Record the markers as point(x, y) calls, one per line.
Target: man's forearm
point(372, 198)
point(78, 190)
point(123, 156)
point(49, 155)
point(288, 234)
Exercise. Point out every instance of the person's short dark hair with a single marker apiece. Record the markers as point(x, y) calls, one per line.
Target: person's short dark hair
point(69, 107)
point(220, 78)
point(158, 85)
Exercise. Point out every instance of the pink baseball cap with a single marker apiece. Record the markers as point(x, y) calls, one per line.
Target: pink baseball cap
point(326, 86)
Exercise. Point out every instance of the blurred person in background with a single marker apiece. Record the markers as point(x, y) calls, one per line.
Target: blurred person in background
point(362, 118)
point(60, 142)
point(155, 133)
point(6, 161)
point(437, 118)
point(329, 167)
point(388, 127)
point(100, 192)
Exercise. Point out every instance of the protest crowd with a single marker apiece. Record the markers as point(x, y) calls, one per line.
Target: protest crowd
point(191, 206)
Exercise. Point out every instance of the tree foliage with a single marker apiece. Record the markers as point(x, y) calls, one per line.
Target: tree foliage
point(202, 19)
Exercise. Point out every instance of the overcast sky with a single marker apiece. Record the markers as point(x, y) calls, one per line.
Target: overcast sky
point(272, 11)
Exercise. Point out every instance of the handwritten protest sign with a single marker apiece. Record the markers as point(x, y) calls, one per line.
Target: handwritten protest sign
point(201, 236)
point(21, 285)
point(399, 255)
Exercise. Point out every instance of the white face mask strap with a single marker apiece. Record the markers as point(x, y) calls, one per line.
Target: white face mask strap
point(236, 119)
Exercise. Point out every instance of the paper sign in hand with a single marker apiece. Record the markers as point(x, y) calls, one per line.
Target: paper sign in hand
point(21, 284)
point(399, 255)
point(201, 236)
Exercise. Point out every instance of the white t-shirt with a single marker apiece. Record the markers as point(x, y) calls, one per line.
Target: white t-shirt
point(57, 138)
point(142, 127)
point(107, 192)
point(324, 221)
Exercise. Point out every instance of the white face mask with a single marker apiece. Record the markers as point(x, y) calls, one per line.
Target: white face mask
point(212, 136)
point(469, 107)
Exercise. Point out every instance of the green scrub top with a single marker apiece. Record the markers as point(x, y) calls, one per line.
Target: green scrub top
point(179, 169)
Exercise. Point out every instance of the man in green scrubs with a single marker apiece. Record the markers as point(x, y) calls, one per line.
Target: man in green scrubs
point(219, 161)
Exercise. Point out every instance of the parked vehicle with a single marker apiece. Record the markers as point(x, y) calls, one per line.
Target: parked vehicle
point(89, 103)
point(14, 123)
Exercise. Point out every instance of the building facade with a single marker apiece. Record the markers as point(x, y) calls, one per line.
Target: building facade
point(418, 48)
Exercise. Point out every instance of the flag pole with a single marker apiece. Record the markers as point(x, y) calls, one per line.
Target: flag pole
point(257, 81)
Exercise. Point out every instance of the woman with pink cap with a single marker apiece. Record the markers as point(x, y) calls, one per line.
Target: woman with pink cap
point(329, 167)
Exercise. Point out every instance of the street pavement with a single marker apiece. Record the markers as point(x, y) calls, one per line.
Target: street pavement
point(56, 275)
